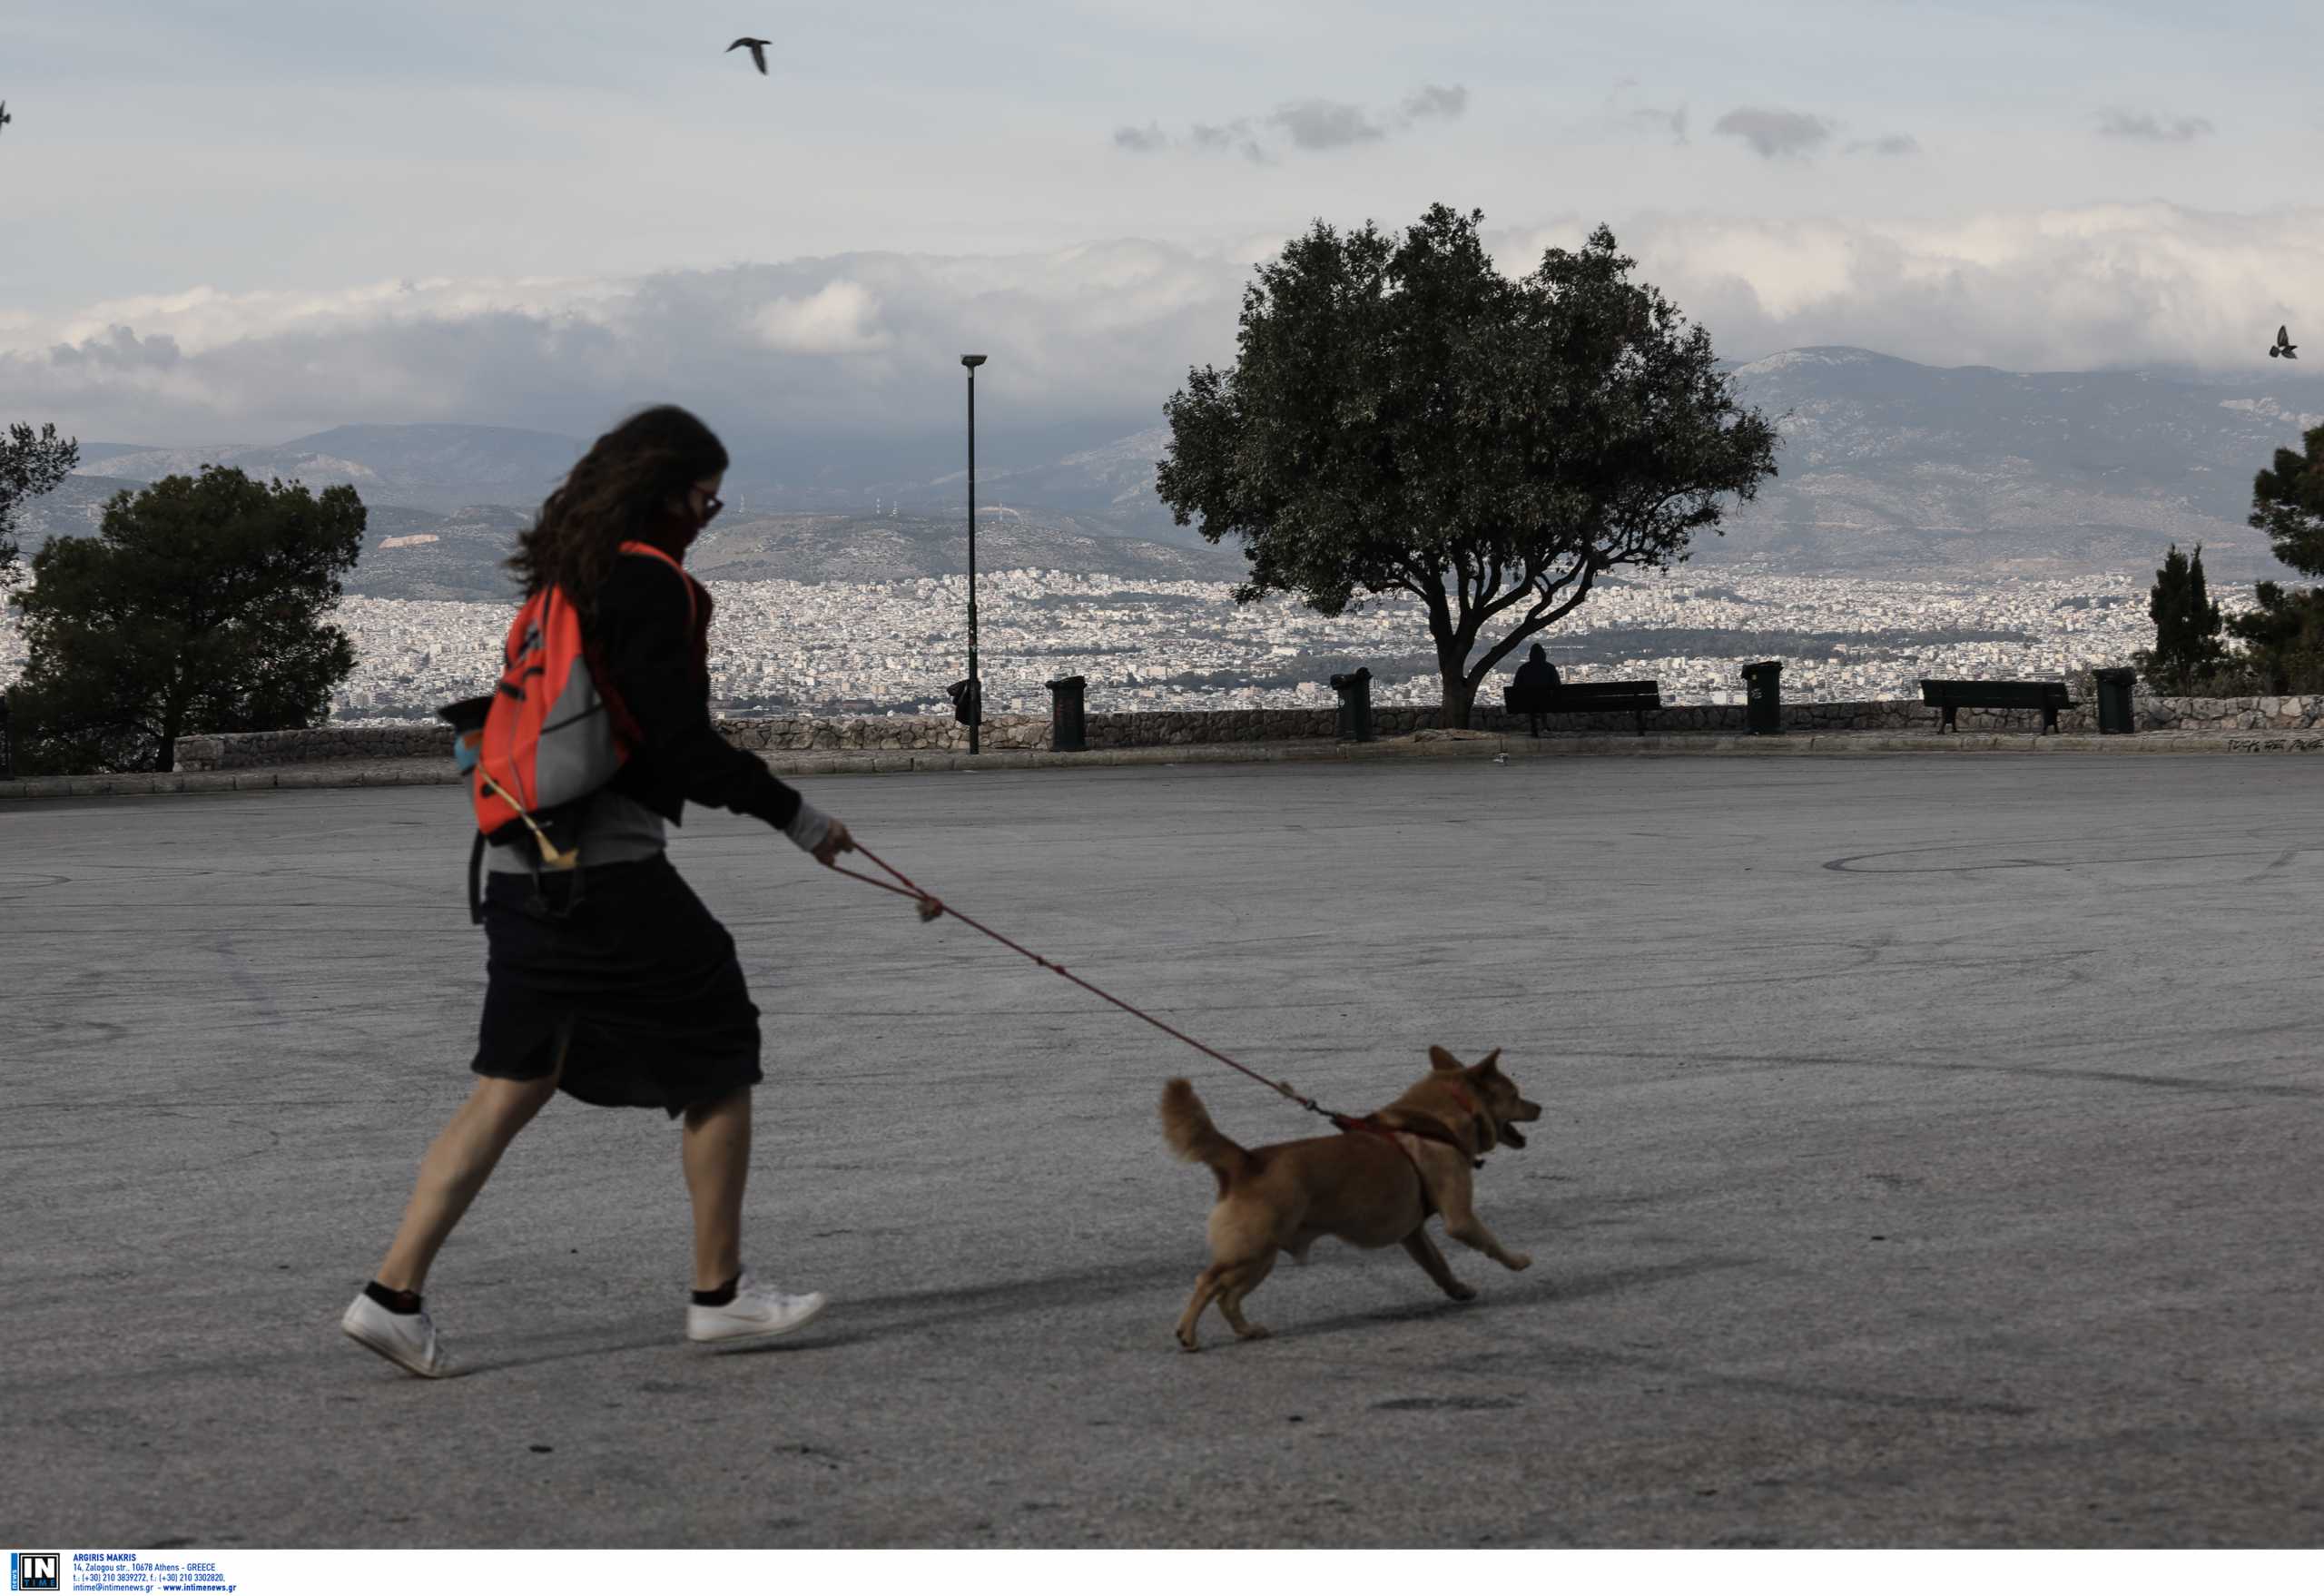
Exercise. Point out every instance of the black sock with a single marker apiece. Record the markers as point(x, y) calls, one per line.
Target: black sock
point(718, 1298)
point(395, 1302)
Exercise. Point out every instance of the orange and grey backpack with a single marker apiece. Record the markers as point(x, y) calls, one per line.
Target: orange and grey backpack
point(548, 736)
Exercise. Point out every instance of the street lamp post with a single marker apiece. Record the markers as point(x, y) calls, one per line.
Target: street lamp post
point(976, 685)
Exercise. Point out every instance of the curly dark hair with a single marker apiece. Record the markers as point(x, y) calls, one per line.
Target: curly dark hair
point(623, 489)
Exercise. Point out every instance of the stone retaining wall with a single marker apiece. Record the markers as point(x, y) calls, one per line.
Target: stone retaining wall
point(1170, 728)
point(2231, 714)
point(1135, 729)
point(251, 750)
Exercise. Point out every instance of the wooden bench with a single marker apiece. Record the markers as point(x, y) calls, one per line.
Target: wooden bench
point(1585, 698)
point(2049, 697)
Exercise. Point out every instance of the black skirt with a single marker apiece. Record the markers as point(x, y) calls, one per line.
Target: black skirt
point(626, 971)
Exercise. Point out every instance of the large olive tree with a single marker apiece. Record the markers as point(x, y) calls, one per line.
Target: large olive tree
point(1403, 418)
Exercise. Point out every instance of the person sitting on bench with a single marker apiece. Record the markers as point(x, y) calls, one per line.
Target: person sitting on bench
point(1537, 671)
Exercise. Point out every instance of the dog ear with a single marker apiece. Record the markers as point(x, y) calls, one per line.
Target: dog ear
point(1438, 1059)
point(1490, 1064)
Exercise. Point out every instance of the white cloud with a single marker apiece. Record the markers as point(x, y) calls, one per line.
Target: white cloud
point(1310, 124)
point(1774, 135)
point(858, 344)
point(203, 318)
point(1655, 116)
point(1437, 100)
point(2149, 128)
point(2052, 290)
point(1235, 136)
point(867, 345)
point(841, 317)
point(1326, 125)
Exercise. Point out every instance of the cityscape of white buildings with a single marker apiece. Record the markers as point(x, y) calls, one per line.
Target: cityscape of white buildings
point(891, 647)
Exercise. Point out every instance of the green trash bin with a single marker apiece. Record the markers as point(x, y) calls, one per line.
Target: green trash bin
point(2115, 712)
point(1763, 698)
point(1355, 688)
point(1068, 731)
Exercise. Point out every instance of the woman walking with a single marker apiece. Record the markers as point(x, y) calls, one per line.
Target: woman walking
point(613, 980)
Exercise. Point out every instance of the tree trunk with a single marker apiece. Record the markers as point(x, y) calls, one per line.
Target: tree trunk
point(172, 722)
point(1459, 699)
point(1453, 642)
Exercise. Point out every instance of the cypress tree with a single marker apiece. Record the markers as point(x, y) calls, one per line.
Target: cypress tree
point(2187, 624)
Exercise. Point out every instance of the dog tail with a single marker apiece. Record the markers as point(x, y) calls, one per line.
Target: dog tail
point(1186, 1126)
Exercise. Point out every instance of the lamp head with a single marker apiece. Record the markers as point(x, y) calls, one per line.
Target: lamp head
point(972, 361)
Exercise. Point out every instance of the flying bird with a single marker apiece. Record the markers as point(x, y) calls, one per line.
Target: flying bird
point(2284, 346)
point(758, 51)
point(4, 118)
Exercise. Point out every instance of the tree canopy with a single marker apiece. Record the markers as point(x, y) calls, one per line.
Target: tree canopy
point(199, 606)
point(2284, 635)
point(31, 464)
point(2186, 624)
point(2288, 504)
point(1400, 418)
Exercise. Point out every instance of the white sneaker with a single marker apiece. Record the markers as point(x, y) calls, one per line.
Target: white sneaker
point(408, 1339)
point(758, 1314)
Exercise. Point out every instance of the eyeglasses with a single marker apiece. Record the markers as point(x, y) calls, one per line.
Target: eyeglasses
point(711, 504)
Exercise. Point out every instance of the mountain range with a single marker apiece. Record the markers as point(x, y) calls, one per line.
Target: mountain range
point(437, 467)
point(1893, 467)
point(1887, 469)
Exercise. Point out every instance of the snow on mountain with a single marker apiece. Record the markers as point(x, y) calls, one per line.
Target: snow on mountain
point(437, 467)
point(1887, 468)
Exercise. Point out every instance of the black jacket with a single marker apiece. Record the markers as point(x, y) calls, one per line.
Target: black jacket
point(658, 672)
point(1536, 672)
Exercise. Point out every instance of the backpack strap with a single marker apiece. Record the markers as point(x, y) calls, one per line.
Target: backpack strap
point(664, 554)
point(475, 880)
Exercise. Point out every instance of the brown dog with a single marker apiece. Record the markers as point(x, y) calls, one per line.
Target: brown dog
point(1368, 1186)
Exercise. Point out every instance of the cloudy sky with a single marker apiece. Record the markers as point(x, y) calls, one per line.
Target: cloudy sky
point(245, 219)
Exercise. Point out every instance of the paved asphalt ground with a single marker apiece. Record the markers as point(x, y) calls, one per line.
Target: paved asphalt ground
point(1931, 1157)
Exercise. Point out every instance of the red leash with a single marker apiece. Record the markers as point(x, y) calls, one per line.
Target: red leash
point(931, 907)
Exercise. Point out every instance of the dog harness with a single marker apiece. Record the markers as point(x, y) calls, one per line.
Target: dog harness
point(1427, 1130)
